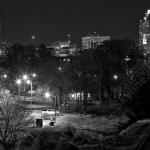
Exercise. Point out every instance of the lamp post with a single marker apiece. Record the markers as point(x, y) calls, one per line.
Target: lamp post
point(28, 79)
point(115, 77)
point(2, 79)
point(47, 95)
point(30, 82)
point(18, 81)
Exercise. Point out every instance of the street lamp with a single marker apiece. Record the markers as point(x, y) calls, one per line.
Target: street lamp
point(25, 77)
point(2, 78)
point(34, 75)
point(18, 81)
point(5, 75)
point(33, 37)
point(29, 82)
point(115, 77)
point(60, 69)
point(47, 95)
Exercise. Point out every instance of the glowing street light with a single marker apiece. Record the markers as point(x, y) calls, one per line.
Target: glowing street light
point(47, 95)
point(18, 82)
point(34, 75)
point(60, 69)
point(5, 75)
point(29, 82)
point(28, 78)
point(33, 37)
point(25, 77)
point(115, 77)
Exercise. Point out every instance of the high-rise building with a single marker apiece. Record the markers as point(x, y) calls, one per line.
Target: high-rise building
point(144, 32)
point(92, 41)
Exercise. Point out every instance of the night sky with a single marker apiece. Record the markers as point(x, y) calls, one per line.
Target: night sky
point(52, 20)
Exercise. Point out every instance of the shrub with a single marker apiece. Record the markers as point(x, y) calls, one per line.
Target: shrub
point(69, 131)
point(81, 138)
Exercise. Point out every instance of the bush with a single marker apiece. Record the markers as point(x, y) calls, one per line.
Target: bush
point(81, 138)
point(69, 131)
point(49, 138)
point(41, 140)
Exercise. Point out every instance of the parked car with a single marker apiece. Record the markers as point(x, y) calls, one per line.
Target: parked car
point(50, 112)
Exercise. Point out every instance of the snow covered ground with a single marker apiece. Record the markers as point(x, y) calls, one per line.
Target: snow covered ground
point(99, 124)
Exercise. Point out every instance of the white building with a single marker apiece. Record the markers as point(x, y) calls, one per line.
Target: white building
point(92, 41)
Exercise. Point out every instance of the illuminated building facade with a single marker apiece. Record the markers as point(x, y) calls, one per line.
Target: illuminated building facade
point(3, 46)
point(63, 48)
point(92, 41)
point(144, 32)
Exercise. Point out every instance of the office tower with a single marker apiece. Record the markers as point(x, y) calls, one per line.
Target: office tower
point(144, 32)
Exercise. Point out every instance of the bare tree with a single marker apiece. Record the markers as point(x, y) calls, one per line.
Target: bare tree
point(14, 118)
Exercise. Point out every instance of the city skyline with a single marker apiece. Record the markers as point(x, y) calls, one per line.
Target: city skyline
point(52, 21)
